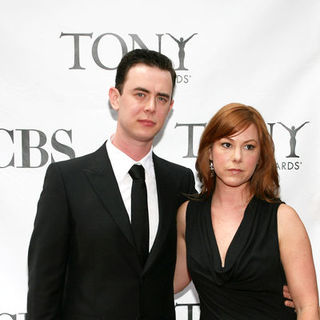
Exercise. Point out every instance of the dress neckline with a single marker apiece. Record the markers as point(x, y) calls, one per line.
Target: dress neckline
point(238, 241)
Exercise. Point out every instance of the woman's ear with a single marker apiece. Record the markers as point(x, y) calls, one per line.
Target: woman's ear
point(210, 153)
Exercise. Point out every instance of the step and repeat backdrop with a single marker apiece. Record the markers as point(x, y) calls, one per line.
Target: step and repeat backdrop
point(58, 60)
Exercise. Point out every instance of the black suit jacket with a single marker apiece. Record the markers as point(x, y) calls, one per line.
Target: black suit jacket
point(83, 264)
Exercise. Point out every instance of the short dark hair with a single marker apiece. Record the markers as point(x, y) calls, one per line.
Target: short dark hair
point(148, 57)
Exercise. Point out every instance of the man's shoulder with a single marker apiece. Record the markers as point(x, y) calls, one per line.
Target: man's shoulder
point(83, 161)
point(170, 165)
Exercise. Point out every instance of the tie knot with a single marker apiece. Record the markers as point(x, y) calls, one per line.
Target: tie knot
point(137, 172)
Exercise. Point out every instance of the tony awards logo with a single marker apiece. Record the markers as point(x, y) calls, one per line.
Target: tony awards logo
point(106, 60)
point(181, 44)
point(293, 132)
point(280, 132)
point(292, 161)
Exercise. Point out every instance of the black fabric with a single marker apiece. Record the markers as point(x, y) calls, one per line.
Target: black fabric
point(83, 262)
point(139, 212)
point(249, 286)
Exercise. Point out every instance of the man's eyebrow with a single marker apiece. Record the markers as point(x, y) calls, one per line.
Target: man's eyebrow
point(161, 94)
point(141, 89)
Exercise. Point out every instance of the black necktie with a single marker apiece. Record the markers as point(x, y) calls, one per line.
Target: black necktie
point(139, 211)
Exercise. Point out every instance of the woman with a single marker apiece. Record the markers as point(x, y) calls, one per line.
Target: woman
point(237, 241)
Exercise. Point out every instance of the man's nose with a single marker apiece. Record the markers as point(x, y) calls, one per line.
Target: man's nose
point(150, 105)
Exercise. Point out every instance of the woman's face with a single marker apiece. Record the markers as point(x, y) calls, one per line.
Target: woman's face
point(236, 157)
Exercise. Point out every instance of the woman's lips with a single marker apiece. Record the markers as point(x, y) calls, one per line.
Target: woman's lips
point(234, 170)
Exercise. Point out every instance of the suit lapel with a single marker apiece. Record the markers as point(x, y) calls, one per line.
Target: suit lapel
point(104, 183)
point(165, 207)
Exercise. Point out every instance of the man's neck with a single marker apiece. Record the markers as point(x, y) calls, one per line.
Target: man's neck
point(136, 150)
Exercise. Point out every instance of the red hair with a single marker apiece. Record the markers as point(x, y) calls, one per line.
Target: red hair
point(230, 119)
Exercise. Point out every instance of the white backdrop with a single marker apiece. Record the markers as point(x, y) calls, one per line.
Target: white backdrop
point(55, 62)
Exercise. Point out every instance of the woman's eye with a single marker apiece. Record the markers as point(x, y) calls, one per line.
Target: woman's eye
point(249, 147)
point(226, 144)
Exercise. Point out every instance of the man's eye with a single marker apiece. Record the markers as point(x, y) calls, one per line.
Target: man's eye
point(163, 99)
point(140, 94)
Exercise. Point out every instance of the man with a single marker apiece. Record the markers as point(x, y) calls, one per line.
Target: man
point(85, 261)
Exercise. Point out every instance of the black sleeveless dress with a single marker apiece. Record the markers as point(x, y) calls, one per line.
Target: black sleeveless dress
point(249, 286)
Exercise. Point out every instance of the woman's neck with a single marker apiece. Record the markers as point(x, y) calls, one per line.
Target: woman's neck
point(228, 197)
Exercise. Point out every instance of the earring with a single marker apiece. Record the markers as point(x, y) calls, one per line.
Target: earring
point(211, 167)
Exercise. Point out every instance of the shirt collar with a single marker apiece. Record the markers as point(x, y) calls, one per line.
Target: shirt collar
point(121, 163)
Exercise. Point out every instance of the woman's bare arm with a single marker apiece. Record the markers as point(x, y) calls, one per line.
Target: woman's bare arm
point(181, 275)
point(296, 257)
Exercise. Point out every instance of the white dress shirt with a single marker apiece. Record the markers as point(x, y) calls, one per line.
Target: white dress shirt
point(121, 164)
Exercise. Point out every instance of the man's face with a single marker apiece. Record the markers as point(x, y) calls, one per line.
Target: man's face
point(144, 103)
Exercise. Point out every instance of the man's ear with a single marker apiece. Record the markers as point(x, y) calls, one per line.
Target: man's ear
point(171, 104)
point(114, 96)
